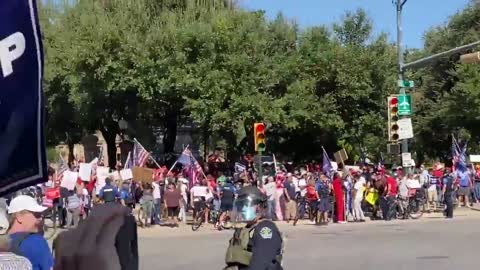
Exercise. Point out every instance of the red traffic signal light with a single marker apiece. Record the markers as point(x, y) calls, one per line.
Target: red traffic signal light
point(393, 127)
point(259, 136)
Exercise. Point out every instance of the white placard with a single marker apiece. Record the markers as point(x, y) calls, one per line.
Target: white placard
point(126, 174)
point(102, 174)
point(334, 165)
point(69, 180)
point(115, 175)
point(474, 158)
point(85, 171)
point(405, 129)
point(199, 191)
point(407, 160)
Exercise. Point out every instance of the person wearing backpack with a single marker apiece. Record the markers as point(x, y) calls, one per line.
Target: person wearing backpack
point(25, 239)
point(126, 196)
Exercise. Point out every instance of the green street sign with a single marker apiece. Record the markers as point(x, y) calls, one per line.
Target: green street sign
point(406, 84)
point(404, 105)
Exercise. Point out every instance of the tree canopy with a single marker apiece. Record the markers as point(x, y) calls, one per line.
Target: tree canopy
point(161, 63)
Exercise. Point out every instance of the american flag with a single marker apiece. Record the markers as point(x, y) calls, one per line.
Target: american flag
point(459, 156)
point(191, 165)
point(140, 155)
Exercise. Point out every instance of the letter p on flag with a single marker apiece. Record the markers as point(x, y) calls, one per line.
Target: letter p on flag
point(22, 142)
point(11, 48)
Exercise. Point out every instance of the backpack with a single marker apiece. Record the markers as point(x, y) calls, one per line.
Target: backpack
point(17, 242)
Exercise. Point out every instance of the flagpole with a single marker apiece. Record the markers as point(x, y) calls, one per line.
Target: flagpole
point(149, 155)
point(127, 161)
point(275, 163)
point(176, 161)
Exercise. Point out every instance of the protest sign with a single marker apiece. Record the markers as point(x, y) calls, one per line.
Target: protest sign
point(126, 174)
point(85, 171)
point(142, 174)
point(69, 180)
point(22, 149)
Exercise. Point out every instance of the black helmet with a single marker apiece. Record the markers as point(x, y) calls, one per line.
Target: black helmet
point(254, 194)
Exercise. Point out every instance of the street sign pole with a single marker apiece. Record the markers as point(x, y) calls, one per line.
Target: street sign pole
point(260, 171)
point(399, 5)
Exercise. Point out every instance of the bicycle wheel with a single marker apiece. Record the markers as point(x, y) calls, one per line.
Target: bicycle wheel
point(197, 222)
point(415, 209)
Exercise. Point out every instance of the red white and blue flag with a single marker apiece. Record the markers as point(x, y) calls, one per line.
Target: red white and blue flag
point(191, 166)
point(459, 156)
point(140, 155)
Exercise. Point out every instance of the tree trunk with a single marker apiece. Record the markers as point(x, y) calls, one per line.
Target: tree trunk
point(109, 137)
point(71, 156)
point(170, 135)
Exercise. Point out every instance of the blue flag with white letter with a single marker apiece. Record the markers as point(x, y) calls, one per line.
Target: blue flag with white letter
point(22, 148)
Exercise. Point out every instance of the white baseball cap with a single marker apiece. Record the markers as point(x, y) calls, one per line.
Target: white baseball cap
point(24, 202)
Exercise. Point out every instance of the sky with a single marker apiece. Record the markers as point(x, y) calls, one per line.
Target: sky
point(419, 15)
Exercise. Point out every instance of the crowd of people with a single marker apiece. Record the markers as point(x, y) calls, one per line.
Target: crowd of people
point(349, 194)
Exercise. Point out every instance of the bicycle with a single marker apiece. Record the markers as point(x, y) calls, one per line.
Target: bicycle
point(200, 216)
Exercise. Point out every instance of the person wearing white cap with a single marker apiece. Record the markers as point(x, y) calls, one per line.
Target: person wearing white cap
point(25, 225)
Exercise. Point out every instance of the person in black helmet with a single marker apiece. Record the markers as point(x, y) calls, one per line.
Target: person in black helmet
point(258, 244)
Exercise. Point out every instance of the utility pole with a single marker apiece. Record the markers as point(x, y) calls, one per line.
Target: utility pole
point(399, 6)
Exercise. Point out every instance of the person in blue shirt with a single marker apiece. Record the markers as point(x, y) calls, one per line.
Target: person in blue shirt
point(109, 193)
point(227, 196)
point(465, 186)
point(25, 239)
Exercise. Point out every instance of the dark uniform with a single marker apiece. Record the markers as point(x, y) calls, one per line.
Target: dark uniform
point(258, 246)
point(448, 182)
point(109, 193)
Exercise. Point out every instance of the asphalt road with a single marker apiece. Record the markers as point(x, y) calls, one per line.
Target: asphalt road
point(430, 243)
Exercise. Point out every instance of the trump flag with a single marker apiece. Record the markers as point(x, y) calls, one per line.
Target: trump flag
point(22, 148)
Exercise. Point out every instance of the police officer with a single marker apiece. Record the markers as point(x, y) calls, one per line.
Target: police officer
point(109, 193)
point(258, 245)
point(448, 189)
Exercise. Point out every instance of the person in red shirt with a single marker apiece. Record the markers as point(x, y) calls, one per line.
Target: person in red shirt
point(339, 198)
point(311, 197)
point(391, 193)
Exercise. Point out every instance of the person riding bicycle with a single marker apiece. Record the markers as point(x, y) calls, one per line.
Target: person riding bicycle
point(227, 196)
point(257, 243)
point(198, 199)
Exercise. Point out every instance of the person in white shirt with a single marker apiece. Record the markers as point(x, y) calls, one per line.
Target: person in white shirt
point(157, 203)
point(358, 191)
point(183, 190)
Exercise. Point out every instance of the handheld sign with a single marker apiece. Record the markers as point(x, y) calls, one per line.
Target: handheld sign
point(22, 149)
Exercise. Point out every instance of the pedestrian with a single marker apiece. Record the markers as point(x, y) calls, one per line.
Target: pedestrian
point(146, 203)
point(270, 191)
point(74, 205)
point(324, 206)
point(172, 199)
point(25, 239)
point(109, 193)
point(476, 178)
point(448, 191)
point(390, 195)
point(464, 188)
point(358, 192)
point(157, 202)
point(337, 184)
point(290, 193)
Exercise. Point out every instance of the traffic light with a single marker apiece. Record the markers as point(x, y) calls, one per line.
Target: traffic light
point(259, 135)
point(392, 118)
point(471, 58)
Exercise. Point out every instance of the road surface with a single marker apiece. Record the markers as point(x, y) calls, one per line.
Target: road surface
point(430, 243)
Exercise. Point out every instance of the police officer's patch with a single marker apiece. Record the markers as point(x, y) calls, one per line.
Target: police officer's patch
point(266, 233)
